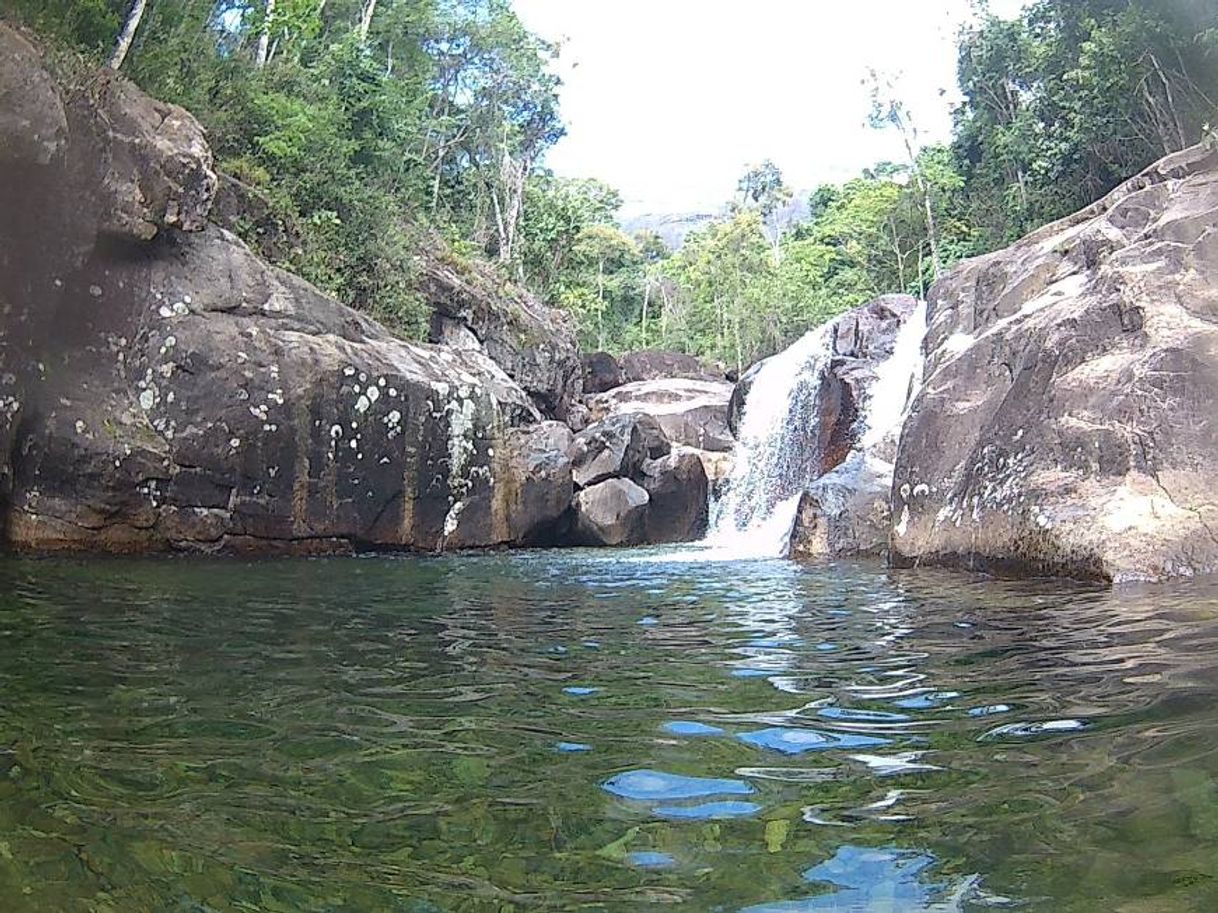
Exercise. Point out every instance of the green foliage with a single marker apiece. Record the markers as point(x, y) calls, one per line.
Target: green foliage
point(1069, 99)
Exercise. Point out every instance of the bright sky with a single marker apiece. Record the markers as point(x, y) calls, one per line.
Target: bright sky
point(671, 100)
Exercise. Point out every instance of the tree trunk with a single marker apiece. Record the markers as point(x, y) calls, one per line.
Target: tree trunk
point(600, 306)
point(646, 301)
point(264, 36)
point(127, 35)
point(365, 19)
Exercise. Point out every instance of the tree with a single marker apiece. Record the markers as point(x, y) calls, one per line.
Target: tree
point(887, 110)
point(762, 188)
point(131, 24)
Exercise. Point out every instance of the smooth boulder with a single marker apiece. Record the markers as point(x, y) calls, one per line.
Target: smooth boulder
point(692, 413)
point(612, 512)
point(846, 511)
point(1065, 422)
point(678, 490)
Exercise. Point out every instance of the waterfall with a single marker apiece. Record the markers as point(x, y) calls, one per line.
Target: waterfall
point(773, 462)
point(776, 457)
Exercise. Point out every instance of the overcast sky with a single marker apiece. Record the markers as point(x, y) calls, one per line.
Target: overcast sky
point(670, 100)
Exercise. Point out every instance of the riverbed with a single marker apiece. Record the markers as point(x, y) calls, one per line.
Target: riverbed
point(612, 731)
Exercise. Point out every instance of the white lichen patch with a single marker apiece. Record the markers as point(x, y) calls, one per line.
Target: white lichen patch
point(147, 398)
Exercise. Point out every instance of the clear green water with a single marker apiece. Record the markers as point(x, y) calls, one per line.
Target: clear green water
point(380, 735)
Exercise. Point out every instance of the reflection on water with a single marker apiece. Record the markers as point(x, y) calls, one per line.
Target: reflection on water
point(600, 731)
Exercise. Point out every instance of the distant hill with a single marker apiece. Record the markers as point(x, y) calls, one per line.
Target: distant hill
point(674, 227)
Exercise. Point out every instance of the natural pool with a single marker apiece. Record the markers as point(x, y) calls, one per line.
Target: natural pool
point(600, 731)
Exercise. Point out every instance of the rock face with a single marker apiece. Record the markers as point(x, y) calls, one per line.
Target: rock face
point(845, 511)
point(535, 345)
point(678, 490)
point(691, 412)
point(655, 364)
point(162, 387)
point(539, 482)
point(616, 448)
point(1066, 422)
point(612, 512)
point(601, 372)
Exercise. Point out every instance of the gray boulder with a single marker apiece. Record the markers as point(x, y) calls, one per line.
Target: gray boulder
point(656, 364)
point(692, 413)
point(601, 372)
point(846, 511)
point(678, 490)
point(1065, 424)
point(612, 512)
point(538, 483)
point(616, 448)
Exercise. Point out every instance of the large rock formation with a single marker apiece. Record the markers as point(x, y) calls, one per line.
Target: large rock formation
point(616, 448)
point(1066, 421)
point(161, 386)
point(692, 413)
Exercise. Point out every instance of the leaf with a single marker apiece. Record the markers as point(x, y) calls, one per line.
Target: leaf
point(776, 833)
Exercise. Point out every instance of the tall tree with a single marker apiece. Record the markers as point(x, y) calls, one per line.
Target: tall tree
point(131, 24)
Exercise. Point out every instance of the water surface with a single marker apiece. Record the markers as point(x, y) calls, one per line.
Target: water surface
point(611, 731)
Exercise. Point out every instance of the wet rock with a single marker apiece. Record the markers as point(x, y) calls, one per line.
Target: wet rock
point(678, 490)
point(846, 511)
point(691, 412)
point(859, 340)
point(539, 481)
point(616, 448)
point(655, 364)
point(601, 372)
point(1063, 423)
point(610, 513)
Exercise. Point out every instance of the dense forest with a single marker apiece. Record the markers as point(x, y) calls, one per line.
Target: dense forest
point(378, 128)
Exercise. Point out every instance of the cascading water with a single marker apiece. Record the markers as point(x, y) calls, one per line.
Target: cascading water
point(775, 455)
point(773, 464)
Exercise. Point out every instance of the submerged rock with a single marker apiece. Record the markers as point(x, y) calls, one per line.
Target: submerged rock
point(1064, 425)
